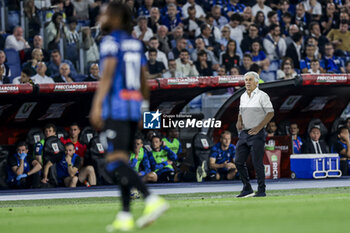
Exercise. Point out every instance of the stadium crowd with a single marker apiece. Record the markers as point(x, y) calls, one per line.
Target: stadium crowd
point(276, 38)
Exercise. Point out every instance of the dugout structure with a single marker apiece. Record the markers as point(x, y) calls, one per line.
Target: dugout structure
point(307, 97)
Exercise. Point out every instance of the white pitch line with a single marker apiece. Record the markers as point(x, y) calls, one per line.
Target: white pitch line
point(177, 189)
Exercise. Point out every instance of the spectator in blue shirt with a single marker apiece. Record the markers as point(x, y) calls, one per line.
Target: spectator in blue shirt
point(233, 6)
point(55, 63)
point(305, 64)
point(221, 159)
point(171, 19)
point(164, 10)
point(259, 56)
point(331, 63)
point(297, 141)
point(145, 8)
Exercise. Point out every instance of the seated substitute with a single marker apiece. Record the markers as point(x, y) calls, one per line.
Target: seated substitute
point(23, 172)
point(172, 140)
point(342, 147)
point(221, 159)
point(161, 159)
point(67, 169)
point(80, 149)
point(138, 159)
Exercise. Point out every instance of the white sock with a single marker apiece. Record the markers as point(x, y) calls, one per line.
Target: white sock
point(124, 215)
point(151, 198)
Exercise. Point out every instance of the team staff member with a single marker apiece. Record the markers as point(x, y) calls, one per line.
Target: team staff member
point(138, 158)
point(221, 159)
point(116, 109)
point(255, 111)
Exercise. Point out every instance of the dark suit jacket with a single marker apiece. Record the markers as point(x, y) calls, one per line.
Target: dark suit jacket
point(212, 43)
point(186, 23)
point(304, 23)
point(292, 53)
point(308, 147)
point(58, 79)
point(90, 79)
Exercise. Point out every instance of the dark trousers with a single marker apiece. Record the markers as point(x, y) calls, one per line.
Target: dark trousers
point(254, 145)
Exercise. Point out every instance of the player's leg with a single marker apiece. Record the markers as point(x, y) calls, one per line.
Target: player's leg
point(217, 176)
point(231, 174)
point(70, 181)
point(242, 153)
point(212, 174)
point(74, 182)
point(88, 173)
point(257, 157)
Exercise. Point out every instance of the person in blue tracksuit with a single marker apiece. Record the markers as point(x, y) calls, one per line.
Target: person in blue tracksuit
point(162, 160)
point(221, 159)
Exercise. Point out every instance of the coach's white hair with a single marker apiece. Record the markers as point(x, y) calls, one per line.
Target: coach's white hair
point(64, 64)
point(254, 74)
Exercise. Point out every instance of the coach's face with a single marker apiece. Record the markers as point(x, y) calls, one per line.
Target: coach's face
point(250, 83)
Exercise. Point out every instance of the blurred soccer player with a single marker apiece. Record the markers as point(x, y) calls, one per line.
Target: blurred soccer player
point(116, 109)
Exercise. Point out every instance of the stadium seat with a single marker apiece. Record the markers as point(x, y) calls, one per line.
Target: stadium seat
point(95, 156)
point(33, 136)
point(79, 78)
point(274, 65)
point(318, 122)
point(61, 132)
point(86, 135)
point(333, 135)
point(53, 146)
point(268, 76)
point(14, 62)
point(4, 153)
point(283, 127)
point(2, 40)
point(201, 146)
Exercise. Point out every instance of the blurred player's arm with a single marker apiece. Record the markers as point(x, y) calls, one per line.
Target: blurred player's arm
point(144, 85)
point(109, 65)
point(46, 171)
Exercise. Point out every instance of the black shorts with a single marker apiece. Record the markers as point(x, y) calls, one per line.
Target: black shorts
point(119, 135)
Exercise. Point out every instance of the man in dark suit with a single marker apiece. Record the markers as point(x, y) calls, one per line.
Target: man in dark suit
point(302, 18)
point(64, 75)
point(294, 49)
point(314, 145)
point(209, 40)
point(94, 73)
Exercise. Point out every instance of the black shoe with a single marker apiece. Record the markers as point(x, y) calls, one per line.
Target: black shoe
point(260, 194)
point(245, 194)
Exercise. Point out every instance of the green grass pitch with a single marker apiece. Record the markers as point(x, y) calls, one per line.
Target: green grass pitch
point(295, 211)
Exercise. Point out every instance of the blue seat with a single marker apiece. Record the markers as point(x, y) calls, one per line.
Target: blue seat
point(14, 62)
point(79, 78)
point(274, 65)
point(268, 76)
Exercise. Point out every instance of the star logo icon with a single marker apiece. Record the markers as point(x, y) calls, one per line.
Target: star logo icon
point(155, 115)
point(151, 120)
